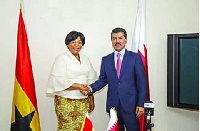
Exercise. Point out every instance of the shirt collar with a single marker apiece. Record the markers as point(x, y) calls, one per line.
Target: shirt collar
point(122, 52)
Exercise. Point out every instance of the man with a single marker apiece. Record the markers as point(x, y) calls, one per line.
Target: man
point(126, 86)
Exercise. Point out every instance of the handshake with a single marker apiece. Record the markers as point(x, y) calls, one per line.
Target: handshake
point(85, 89)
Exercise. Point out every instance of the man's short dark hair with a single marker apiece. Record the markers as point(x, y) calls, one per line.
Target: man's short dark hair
point(73, 35)
point(117, 30)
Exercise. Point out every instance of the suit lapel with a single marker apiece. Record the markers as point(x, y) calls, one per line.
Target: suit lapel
point(124, 63)
point(113, 65)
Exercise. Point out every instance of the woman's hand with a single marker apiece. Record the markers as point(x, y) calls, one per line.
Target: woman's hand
point(91, 103)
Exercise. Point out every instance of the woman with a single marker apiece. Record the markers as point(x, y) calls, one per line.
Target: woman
point(70, 72)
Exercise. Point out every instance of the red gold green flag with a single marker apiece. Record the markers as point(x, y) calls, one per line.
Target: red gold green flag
point(25, 115)
point(87, 124)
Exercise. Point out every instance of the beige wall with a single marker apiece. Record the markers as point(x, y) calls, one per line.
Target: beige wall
point(49, 21)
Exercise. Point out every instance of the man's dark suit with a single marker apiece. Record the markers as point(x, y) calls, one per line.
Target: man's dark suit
point(129, 90)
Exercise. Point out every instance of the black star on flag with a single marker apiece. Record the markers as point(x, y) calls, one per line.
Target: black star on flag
point(22, 123)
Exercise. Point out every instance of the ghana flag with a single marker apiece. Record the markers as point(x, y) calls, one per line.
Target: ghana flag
point(25, 115)
point(87, 124)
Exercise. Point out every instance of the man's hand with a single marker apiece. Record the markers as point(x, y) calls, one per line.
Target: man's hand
point(139, 111)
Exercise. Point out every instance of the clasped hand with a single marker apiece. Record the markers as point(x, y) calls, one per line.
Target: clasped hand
point(85, 89)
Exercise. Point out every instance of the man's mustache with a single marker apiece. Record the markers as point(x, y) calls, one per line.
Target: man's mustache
point(117, 43)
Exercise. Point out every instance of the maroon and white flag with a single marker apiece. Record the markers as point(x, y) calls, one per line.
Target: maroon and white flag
point(113, 122)
point(139, 44)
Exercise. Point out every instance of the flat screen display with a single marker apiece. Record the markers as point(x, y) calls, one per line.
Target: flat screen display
point(188, 71)
point(183, 71)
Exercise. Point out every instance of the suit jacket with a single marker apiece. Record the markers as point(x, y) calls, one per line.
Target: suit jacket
point(129, 89)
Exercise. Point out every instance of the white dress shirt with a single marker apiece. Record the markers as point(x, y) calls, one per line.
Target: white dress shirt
point(122, 52)
point(66, 71)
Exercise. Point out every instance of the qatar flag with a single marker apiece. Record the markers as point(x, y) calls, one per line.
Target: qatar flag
point(113, 123)
point(139, 44)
